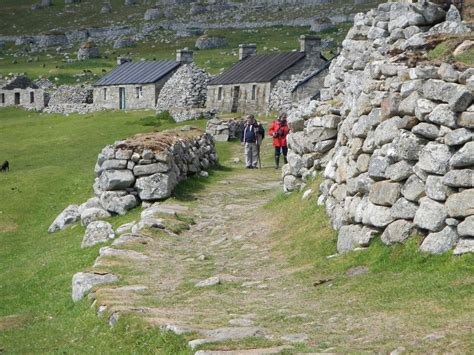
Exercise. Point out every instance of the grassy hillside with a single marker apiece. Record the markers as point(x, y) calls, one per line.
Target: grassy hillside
point(54, 66)
point(16, 16)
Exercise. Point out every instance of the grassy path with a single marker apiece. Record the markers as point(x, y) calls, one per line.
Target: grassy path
point(269, 250)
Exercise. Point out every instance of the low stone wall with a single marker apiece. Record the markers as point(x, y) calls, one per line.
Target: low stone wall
point(72, 99)
point(223, 130)
point(146, 167)
point(393, 136)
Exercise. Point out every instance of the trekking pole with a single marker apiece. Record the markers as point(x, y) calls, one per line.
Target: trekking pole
point(259, 160)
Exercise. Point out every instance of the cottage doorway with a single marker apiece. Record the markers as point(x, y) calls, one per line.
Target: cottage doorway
point(122, 99)
point(17, 98)
point(235, 99)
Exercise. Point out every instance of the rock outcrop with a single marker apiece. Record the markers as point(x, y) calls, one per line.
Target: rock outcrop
point(392, 134)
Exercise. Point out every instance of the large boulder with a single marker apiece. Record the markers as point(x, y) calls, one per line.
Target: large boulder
point(97, 232)
point(67, 217)
point(440, 242)
point(461, 204)
point(431, 215)
point(156, 187)
point(397, 232)
point(118, 201)
point(207, 42)
point(116, 180)
point(92, 214)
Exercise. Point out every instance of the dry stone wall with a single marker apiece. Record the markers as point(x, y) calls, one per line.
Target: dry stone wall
point(72, 99)
point(223, 130)
point(393, 135)
point(281, 98)
point(144, 168)
point(184, 93)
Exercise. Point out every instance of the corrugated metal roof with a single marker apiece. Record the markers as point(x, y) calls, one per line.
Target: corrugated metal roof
point(258, 68)
point(138, 73)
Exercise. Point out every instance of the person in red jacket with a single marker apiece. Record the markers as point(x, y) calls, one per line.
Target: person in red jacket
point(279, 130)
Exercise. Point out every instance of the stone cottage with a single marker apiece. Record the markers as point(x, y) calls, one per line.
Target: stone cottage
point(309, 87)
point(22, 92)
point(137, 85)
point(246, 87)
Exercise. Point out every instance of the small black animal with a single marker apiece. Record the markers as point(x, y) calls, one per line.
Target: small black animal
point(5, 166)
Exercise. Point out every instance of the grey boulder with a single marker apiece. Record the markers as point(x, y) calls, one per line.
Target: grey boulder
point(156, 187)
point(116, 180)
point(97, 232)
point(82, 282)
point(431, 215)
point(440, 242)
point(92, 214)
point(65, 218)
point(397, 232)
point(118, 201)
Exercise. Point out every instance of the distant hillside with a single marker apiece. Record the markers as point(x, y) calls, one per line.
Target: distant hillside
point(18, 16)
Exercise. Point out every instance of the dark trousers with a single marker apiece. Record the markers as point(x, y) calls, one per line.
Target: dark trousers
point(279, 150)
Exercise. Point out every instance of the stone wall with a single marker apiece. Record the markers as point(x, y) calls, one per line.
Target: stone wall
point(71, 99)
point(30, 99)
point(223, 130)
point(393, 134)
point(108, 97)
point(186, 89)
point(246, 103)
point(141, 169)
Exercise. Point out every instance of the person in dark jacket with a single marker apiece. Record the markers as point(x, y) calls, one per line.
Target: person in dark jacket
point(250, 140)
point(279, 130)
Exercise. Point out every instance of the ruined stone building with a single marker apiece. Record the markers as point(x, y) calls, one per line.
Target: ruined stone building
point(137, 85)
point(22, 92)
point(246, 87)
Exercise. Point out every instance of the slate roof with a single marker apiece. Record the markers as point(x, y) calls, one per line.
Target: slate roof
point(145, 72)
point(20, 82)
point(258, 68)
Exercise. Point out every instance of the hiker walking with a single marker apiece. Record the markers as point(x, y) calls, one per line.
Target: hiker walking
point(249, 139)
point(279, 130)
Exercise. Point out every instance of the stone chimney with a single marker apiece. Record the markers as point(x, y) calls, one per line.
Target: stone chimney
point(184, 56)
point(123, 60)
point(246, 50)
point(311, 45)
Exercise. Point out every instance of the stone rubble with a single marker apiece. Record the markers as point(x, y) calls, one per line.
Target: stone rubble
point(392, 138)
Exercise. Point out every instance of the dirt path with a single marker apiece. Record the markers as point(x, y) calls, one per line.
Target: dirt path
point(230, 241)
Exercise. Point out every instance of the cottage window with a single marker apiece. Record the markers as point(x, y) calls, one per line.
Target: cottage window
point(32, 97)
point(254, 92)
point(105, 94)
point(219, 94)
point(139, 91)
point(2, 98)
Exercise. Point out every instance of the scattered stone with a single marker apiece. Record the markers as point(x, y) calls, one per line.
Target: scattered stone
point(295, 338)
point(67, 217)
point(82, 282)
point(97, 232)
point(212, 281)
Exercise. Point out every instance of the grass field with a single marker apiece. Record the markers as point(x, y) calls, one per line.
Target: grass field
point(52, 159)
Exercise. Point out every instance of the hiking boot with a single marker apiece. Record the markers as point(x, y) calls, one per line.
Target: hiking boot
point(277, 162)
